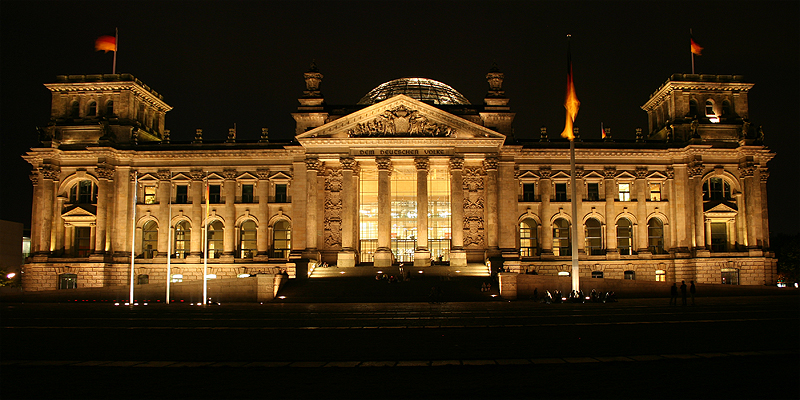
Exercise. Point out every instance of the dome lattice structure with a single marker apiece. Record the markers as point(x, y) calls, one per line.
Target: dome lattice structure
point(422, 89)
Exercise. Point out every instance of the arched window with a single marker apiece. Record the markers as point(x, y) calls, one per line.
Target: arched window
point(91, 111)
point(150, 239)
point(75, 110)
point(561, 238)
point(215, 239)
point(83, 192)
point(281, 239)
point(183, 233)
point(692, 108)
point(247, 239)
point(655, 236)
point(594, 238)
point(624, 236)
point(528, 243)
point(110, 108)
point(710, 109)
point(716, 189)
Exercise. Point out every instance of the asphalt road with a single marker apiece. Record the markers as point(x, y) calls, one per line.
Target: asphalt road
point(734, 347)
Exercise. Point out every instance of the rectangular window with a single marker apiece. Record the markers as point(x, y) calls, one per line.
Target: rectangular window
point(83, 241)
point(730, 276)
point(281, 193)
point(630, 275)
point(215, 194)
point(593, 191)
point(67, 281)
point(182, 194)
point(597, 274)
point(624, 191)
point(528, 192)
point(719, 236)
point(655, 191)
point(561, 192)
point(247, 194)
point(661, 275)
point(149, 195)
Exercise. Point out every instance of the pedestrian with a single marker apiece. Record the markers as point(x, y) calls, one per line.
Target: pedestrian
point(692, 291)
point(673, 294)
point(683, 292)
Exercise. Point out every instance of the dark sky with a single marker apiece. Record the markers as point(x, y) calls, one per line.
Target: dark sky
point(220, 63)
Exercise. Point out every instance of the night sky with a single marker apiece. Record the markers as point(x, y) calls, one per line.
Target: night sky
point(220, 63)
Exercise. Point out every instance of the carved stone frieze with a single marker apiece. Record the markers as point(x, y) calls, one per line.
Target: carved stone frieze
point(262, 173)
point(401, 121)
point(348, 163)
point(545, 172)
point(164, 174)
point(696, 169)
point(333, 180)
point(764, 174)
point(670, 172)
point(747, 170)
point(473, 179)
point(641, 172)
point(456, 163)
point(197, 174)
point(332, 224)
point(609, 172)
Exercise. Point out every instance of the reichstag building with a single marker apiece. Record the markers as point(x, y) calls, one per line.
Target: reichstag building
point(411, 173)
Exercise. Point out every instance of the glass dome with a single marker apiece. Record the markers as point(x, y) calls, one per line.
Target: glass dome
point(422, 89)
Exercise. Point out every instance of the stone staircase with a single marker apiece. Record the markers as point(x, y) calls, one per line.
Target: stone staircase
point(476, 270)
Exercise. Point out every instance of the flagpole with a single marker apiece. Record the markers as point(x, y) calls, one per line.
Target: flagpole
point(575, 270)
point(133, 233)
point(690, 51)
point(205, 248)
point(116, 47)
point(169, 239)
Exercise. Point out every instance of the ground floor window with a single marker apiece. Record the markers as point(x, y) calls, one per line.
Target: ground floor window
point(281, 239)
point(440, 249)
point(597, 274)
point(563, 273)
point(68, 281)
point(661, 275)
point(177, 278)
point(630, 275)
point(143, 279)
point(730, 276)
point(368, 247)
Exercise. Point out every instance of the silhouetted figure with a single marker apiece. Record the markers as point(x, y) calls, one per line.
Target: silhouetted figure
point(692, 291)
point(683, 292)
point(673, 294)
point(535, 294)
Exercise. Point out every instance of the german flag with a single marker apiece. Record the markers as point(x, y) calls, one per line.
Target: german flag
point(696, 49)
point(105, 43)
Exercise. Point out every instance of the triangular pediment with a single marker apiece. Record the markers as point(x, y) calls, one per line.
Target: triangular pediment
point(181, 177)
point(280, 175)
point(213, 176)
point(625, 175)
point(560, 175)
point(720, 208)
point(657, 176)
point(148, 177)
point(80, 215)
point(528, 175)
point(593, 175)
point(246, 177)
point(400, 117)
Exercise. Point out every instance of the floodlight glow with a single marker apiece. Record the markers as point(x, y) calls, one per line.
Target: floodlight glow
point(11, 275)
point(280, 297)
point(342, 272)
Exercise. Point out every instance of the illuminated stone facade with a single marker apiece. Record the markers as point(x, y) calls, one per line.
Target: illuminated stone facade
point(685, 201)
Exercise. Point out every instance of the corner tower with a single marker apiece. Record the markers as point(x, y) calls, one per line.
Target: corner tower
point(702, 107)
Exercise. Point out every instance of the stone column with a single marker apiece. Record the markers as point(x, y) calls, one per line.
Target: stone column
point(262, 234)
point(422, 254)
point(764, 176)
point(507, 210)
point(492, 229)
point(229, 213)
point(105, 174)
point(164, 203)
point(314, 235)
point(578, 219)
point(120, 241)
point(609, 173)
point(696, 193)
point(49, 174)
point(545, 188)
point(58, 242)
point(640, 185)
point(35, 211)
point(669, 190)
point(458, 257)
point(347, 257)
point(383, 254)
point(752, 202)
point(197, 214)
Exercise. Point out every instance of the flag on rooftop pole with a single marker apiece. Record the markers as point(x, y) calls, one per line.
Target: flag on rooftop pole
point(133, 232)
point(602, 131)
point(108, 43)
point(205, 246)
point(695, 48)
point(572, 104)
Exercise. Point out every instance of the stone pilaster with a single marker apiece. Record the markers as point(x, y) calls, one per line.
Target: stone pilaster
point(314, 234)
point(764, 176)
point(229, 213)
point(640, 187)
point(197, 214)
point(458, 257)
point(105, 174)
point(383, 254)
point(609, 173)
point(507, 209)
point(491, 165)
point(262, 234)
point(752, 202)
point(50, 175)
point(696, 194)
point(35, 211)
point(545, 188)
point(163, 196)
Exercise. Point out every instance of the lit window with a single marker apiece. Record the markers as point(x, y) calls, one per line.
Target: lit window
point(528, 244)
point(710, 108)
point(715, 189)
point(655, 191)
point(624, 191)
point(561, 238)
point(281, 239)
point(211, 276)
point(183, 233)
point(67, 281)
point(655, 236)
point(630, 275)
point(247, 240)
point(149, 195)
point(661, 275)
point(719, 236)
point(215, 239)
point(730, 276)
point(177, 278)
point(150, 239)
point(243, 276)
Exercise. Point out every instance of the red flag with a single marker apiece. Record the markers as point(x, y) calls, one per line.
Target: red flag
point(571, 104)
point(696, 49)
point(105, 43)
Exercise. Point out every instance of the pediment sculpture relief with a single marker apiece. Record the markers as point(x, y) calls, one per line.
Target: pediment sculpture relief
point(401, 121)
